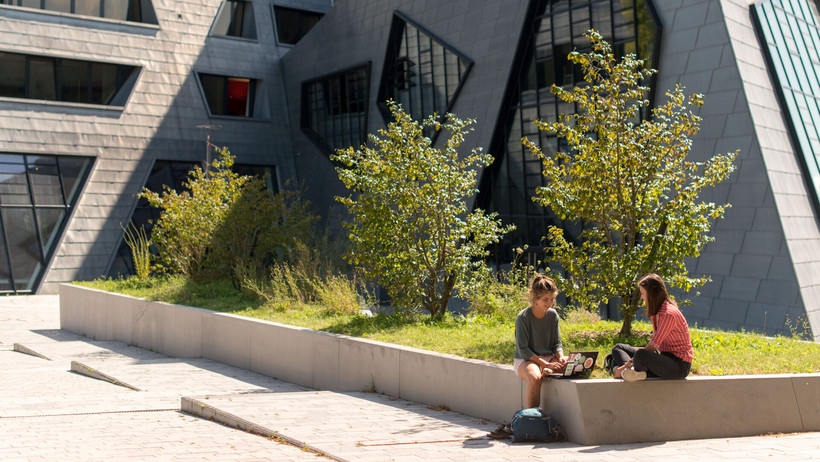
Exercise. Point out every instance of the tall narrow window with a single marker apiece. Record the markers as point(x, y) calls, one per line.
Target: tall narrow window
point(334, 108)
point(235, 19)
point(69, 80)
point(37, 193)
point(420, 72)
point(231, 96)
point(292, 24)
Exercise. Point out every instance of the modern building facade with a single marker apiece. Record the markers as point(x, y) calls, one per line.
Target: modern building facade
point(100, 98)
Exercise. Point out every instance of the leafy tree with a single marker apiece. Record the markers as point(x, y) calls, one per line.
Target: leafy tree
point(628, 181)
point(225, 220)
point(410, 230)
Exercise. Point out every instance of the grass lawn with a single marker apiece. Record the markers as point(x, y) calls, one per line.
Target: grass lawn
point(488, 338)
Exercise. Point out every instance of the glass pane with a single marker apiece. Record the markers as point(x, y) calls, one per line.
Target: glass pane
point(292, 25)
point(103, 82)
point(58, 5)
point(23, 246)
point(30, 3)
point(50, 221)
point(74, 81)
point(87, 7)
point(43, 81)
point(5, 274)
point(123, 10)
point(13, 184)
point(214, 88)
point(13, 77)
point(71, 170)
point(45, 180)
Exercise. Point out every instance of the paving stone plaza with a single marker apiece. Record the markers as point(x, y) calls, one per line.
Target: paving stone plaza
point(49, 412)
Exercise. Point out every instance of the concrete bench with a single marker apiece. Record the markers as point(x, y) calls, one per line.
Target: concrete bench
point(590, 411)
point(611, 411)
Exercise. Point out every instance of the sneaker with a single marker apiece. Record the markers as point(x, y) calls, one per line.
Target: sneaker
point(631, 375)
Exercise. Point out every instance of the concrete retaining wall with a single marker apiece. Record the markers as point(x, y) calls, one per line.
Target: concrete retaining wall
point(590, 411)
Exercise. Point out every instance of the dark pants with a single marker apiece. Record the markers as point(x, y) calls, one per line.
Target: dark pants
point(662, 365)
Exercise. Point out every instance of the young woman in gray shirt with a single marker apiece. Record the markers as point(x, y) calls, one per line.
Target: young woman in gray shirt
point(538, 349)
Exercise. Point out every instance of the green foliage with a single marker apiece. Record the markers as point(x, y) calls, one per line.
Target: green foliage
point(223, 221)
point(140, 246)
point(628, 182)
point(502, 294)
point(306, 280)
point(410, 229)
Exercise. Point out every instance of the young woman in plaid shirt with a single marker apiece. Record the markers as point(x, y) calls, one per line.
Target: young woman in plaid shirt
point(669, 353)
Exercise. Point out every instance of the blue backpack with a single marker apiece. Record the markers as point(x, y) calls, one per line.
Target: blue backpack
point(534, 425)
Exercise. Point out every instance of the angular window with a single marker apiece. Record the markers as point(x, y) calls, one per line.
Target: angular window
point(334, 109)
point(37, 193)
point(172, 174)
point(231, 96)
point(421, 72)
point(790, 32)
point(235, 19)
point(121, 10)
point(555, 28)
point(292, 25)
point(69, 80)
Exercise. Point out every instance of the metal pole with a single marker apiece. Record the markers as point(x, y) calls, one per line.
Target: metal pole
point(208, 146)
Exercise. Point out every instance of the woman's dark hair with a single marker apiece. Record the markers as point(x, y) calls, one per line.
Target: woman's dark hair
point(656, 293)
point(541, 285)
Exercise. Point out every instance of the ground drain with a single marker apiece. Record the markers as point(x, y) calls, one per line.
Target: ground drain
point(81, 368)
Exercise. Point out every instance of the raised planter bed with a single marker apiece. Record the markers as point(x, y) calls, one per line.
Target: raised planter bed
point(590, 411)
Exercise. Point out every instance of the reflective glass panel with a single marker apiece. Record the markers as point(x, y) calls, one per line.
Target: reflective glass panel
point(13, 77)
point(14, 184)
point(292, 25)
point(45, 180)
point(5, 273)
point(63, 6)
point(87, 7)
point(74, 81)
point(43, 79)
point(334, 109)
point(23, 244)
point(790, 30)
point(421, 73)
point(49, 221)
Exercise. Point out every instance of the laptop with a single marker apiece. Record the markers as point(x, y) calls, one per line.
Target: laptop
point(579, 365)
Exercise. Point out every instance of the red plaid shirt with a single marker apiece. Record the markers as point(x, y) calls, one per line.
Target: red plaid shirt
point(671, 333)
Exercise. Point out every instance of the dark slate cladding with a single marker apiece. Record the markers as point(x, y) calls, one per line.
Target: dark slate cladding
point(552, 30)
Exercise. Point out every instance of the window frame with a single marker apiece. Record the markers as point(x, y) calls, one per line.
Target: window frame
point(254, 88)
point(126, 76)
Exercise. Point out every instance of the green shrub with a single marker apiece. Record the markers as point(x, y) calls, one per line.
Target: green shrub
point(225, 221)
point(411, 230)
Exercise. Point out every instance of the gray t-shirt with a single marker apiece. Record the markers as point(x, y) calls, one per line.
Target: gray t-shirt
point(535, 336)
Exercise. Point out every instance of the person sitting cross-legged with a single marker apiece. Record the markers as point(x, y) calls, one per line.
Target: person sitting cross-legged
point(669, 353)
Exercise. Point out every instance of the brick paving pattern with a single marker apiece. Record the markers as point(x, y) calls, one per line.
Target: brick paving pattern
point(48, 412)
